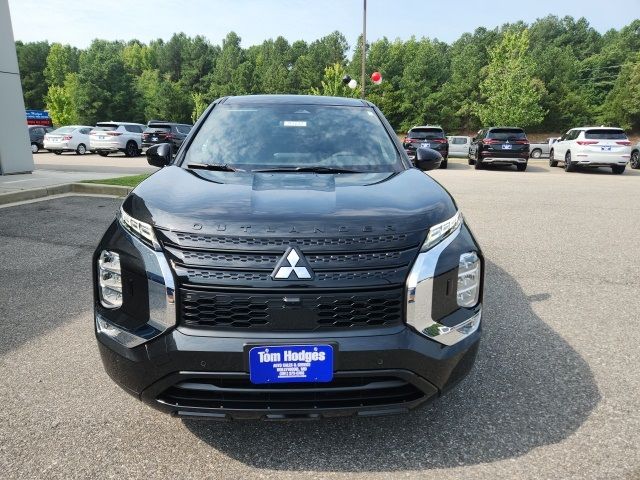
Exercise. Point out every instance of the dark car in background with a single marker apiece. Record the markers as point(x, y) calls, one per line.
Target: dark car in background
point(500, 146)
point(165, 132)
point(428, 136)
point(36, 136)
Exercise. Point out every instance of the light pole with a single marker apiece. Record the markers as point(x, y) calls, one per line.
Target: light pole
point(364, 45)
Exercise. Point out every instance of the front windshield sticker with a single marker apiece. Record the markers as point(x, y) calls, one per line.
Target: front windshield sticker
point(294, 123)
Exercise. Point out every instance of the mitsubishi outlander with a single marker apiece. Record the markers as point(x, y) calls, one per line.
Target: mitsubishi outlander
point(288, 263)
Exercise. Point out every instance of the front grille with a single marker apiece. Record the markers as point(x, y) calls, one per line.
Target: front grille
point(227, 283)
point(241, 394)
point(296, 312)
point(196, 240)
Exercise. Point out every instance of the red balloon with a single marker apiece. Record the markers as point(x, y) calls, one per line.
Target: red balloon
point(376, 77)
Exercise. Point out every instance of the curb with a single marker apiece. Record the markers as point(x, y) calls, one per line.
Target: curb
point(85, 188)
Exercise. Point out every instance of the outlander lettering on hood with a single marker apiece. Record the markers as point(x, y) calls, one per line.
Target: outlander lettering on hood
point(311, 271)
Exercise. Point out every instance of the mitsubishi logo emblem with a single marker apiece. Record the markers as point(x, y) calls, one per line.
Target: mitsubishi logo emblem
point(292, 265)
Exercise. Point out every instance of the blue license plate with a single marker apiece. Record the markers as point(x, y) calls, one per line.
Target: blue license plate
point(292, 363)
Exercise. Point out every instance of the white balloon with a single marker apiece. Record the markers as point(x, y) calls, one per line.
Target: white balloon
point(352, 84)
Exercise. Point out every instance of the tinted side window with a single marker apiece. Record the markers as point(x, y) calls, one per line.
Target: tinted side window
point(133, 128)
point(573, 135)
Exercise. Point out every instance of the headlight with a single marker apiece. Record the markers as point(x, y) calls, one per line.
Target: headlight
point(439, 232)
point(469, 275)
point(109, 279)
point(142, 229)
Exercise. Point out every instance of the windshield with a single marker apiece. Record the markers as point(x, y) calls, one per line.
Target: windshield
point(251, 137)
point(507, 134)
point(602, 134)
point(426, 133)
point(63, 130)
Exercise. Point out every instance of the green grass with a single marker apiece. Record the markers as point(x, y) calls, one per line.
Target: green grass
point(130, 181)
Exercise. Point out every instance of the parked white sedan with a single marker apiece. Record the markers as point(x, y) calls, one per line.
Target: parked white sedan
point(74, 138)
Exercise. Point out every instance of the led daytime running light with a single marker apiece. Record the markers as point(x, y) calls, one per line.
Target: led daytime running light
point(144, 230)
point(439, 232)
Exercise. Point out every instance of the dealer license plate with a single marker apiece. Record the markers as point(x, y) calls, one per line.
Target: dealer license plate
point(292, 363)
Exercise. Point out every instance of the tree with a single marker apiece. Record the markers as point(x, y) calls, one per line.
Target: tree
point(511, 93)
point(106, 89)
point(62, 101)
point(32, 60)
point(61, 60)
point(199, 106)
point(332, 84)
point(622, 106)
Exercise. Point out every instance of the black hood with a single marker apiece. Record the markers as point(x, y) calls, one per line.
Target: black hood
point(238, 203)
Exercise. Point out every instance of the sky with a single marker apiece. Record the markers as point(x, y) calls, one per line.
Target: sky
point(77, 22)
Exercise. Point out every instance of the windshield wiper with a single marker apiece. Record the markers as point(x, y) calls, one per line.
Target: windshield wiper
point(317, 169)
point(220, 167)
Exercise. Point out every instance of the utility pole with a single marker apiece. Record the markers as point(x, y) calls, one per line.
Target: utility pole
point(364, 45)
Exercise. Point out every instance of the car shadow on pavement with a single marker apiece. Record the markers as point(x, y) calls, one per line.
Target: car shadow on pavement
point(457, 165)
point(529, 388)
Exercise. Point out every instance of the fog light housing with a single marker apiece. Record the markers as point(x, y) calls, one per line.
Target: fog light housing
point(469, 276)
point(109, 279)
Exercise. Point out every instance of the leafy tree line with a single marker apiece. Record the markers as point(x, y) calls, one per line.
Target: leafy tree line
point(547, 76)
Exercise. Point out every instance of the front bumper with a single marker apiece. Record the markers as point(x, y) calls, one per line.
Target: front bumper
point(196, 372)
point(207, 376)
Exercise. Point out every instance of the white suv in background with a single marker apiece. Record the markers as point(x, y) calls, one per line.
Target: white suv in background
point(592, 147)
point(109, 137)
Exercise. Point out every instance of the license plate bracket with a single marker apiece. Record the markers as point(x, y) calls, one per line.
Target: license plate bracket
point(291, 363)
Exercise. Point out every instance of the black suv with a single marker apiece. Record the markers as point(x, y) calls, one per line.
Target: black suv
point(165, 132)
point(36, 136)
point(500, 146)
point(429, 137)
point(286, 274)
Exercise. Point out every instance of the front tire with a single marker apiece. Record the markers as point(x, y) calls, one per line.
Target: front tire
point(568, 166)
point(617, 169)
point(635, 160)
point(82, 149)
point(552, 161)
point(34, 148)
point(537, 153)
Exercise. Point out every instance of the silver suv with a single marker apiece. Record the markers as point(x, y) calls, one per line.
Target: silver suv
point(109, 137)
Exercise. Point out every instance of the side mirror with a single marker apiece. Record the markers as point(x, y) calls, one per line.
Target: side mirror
point(427, 159)
point(159, 155)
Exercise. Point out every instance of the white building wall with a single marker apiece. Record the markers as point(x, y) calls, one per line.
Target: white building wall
point(15, 154)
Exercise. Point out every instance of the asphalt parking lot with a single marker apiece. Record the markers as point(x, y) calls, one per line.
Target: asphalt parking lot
point(554, 393)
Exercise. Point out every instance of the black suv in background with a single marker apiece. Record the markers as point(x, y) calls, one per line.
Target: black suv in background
point(429, 137)
point(500, 146)
point(165, 132)
point(286, 274)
